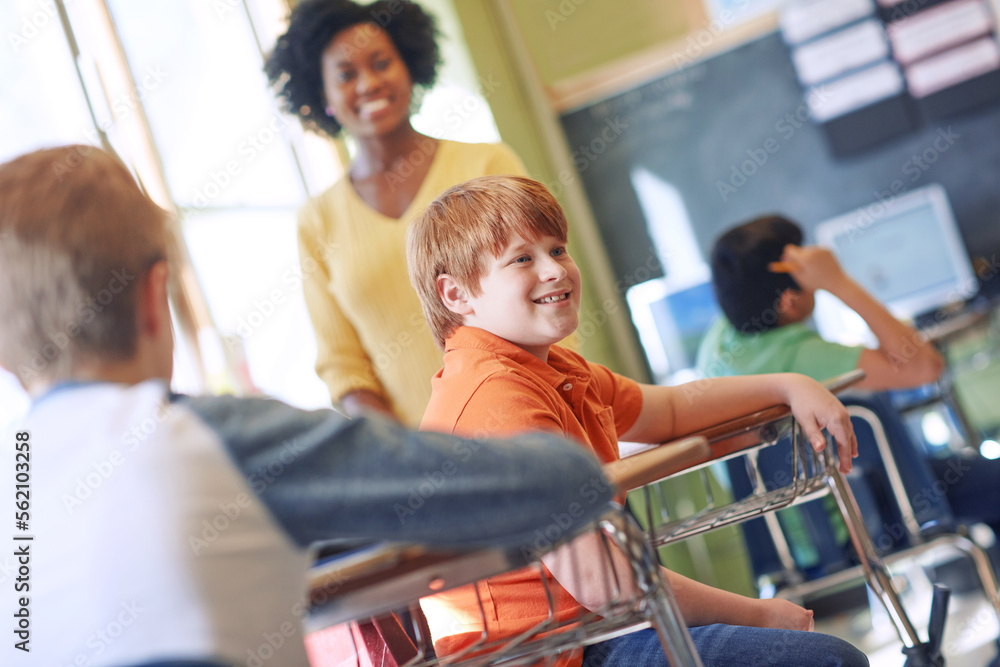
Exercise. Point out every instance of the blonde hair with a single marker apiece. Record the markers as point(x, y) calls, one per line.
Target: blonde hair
point(468, 225)
point(77, 235)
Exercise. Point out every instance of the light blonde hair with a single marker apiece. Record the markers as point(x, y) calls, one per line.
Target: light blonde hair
point(466, 227)
point(77, 236)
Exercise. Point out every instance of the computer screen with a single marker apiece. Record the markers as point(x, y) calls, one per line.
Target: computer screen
point(671, 319)
point(906, 251)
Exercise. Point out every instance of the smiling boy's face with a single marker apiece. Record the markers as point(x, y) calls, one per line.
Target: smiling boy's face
point(530, 295)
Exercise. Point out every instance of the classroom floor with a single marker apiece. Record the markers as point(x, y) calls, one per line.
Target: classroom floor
point(971, 632)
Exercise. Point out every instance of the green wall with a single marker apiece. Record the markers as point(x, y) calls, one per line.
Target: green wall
point(510, 54)
point(567, 38)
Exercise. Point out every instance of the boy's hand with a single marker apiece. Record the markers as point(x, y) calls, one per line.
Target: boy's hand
point(783, 615)
point(813, 267)
point(815, 408)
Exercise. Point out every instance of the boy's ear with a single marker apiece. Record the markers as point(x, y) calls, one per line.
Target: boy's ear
point(789, 306)
point(452, 295)
point(154, 303)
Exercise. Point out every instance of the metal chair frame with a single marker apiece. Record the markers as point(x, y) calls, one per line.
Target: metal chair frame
point(919, 542)
point(812, 475)
point(973, 551)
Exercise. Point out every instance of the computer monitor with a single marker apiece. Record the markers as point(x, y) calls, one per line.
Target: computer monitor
point(907, 252)
point(671, 319)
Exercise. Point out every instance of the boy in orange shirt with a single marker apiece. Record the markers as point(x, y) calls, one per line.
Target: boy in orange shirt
point(489, 262)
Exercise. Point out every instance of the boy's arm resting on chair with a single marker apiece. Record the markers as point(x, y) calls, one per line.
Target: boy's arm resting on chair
point(671, 412)
point(903, 358)
point(668, 412)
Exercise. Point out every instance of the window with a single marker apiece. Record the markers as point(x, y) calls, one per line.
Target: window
point(178, 88)
point(44, 102)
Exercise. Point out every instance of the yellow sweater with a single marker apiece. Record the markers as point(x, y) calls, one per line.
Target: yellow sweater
point(370, 329)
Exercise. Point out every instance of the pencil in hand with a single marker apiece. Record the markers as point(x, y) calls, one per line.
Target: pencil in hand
point(781, 267)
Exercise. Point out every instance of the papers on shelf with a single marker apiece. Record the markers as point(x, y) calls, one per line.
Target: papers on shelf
point(806, 19)
point(938, 28)
point(856, 91)
point(732, 11)
point(952, 67)
point(847, 49)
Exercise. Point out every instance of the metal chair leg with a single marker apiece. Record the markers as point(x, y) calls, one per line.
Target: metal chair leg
point(929, 654)
point(662, 610)
point(876, 573)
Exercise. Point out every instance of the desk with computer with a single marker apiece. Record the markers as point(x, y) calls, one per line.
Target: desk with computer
point(908, 253)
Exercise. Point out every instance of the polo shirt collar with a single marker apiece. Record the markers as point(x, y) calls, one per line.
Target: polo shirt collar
point(556, 372)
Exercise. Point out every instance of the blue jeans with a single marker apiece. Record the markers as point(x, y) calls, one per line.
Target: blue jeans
point(731, 646)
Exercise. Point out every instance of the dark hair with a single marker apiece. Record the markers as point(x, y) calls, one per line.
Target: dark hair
point(747, 290)
point(293, 66)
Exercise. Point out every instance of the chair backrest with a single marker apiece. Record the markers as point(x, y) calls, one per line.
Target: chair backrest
point(910, 503)
point(892, 482)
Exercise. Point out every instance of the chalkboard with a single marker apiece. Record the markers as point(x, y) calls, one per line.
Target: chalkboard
point(729, 135)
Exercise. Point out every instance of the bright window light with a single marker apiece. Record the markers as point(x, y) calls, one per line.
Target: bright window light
point(935, 429)
point(990, 449)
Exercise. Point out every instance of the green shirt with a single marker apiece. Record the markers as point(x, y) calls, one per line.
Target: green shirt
point(793, 348)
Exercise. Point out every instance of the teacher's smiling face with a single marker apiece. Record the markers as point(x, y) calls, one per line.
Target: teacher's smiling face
point(366, 83)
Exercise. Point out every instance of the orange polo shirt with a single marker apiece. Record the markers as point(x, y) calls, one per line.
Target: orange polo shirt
point(490, 387)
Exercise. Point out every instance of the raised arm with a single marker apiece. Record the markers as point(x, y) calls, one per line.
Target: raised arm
point(904, 358)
